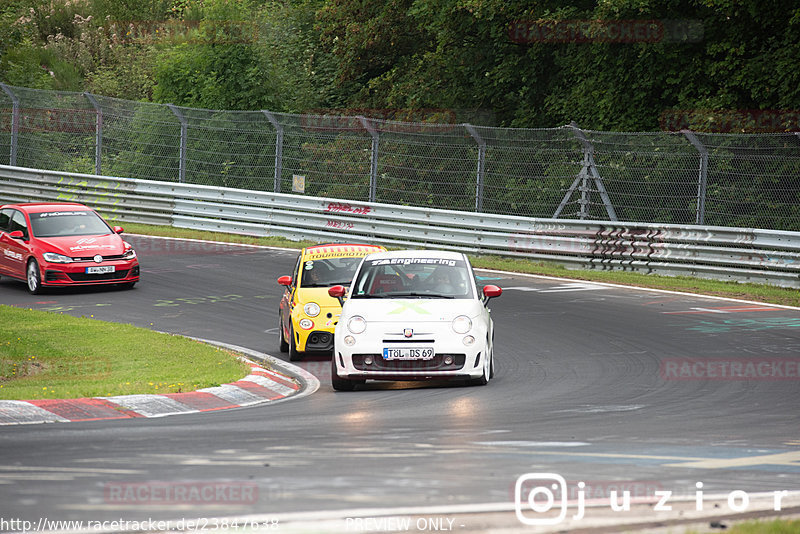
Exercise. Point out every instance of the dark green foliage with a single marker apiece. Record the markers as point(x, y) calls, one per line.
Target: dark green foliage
point(710, 65)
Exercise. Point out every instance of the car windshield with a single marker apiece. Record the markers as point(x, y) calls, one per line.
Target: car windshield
point(329, 272)
point(67, 223)
point(413, 278)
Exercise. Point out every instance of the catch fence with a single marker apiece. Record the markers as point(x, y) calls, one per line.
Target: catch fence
point(559, 173)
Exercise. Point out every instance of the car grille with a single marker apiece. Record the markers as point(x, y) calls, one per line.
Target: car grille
point(319, 341)
point(83, 277)
point(435, 364)
point(105, 258)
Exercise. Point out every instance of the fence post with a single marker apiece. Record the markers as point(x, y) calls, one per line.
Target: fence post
point(184, 134)
point(703, 178)
point(581, 181)
point(14, 123)
point(98, 132)
point(278, 148)
point(373, 170)
point(481, 166)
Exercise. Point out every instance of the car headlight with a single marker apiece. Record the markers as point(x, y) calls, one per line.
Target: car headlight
point(357, 324)
point(311, 309)
point(306, 324)
point(462, 324)
point(52, 257)
point(129, 254)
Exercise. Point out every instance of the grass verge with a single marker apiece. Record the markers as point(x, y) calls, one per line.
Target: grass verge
point(776, 526)
point(754, 292)
point(51, 356)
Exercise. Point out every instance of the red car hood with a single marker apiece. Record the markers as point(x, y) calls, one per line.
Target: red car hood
point(84, 245)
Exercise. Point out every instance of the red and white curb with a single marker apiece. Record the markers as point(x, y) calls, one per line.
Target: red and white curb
point(260, 386)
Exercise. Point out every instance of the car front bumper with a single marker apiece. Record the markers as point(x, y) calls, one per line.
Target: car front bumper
point(451, 360)
point(74, 274)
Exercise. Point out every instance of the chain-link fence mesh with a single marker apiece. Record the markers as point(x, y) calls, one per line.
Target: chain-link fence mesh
point(659, 177)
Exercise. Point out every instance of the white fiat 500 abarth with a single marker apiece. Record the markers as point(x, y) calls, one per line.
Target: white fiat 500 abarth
point(413, 315)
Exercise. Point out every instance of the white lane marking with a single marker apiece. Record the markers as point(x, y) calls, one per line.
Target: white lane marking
point(648, 289)
point(791, 459)
point(604, 409)
point(727, 309)
point(533, 443)
point(577, 286)
point(785, 458)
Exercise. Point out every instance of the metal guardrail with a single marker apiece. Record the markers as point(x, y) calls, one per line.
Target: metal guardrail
point(762, 256)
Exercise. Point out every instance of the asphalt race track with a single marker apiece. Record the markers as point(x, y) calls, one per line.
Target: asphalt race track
point(591, 385)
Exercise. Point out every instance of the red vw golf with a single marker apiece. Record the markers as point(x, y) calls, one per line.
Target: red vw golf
point(63, 244)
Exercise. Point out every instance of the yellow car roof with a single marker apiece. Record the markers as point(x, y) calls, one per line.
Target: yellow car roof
point(320, 252)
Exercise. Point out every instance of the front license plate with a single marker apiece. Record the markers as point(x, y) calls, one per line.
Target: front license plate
point(100, 269)
point(407, 353)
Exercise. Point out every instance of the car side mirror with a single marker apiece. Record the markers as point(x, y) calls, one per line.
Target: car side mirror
point(17, 234)
point(490, 292)
point(118, 229)
point(338, 292)
point(285, 281)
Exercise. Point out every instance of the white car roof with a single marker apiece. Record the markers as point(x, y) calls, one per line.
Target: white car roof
point(446, 254)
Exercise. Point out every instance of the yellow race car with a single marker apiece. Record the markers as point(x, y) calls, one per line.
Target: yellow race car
point(307, 314)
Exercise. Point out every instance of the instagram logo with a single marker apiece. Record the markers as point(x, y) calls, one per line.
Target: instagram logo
point(540, 491)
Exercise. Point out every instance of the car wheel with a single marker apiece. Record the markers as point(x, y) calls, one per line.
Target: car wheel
point(34, 277)
point(128, 285)
point(294, 354)
point(283, 345)
point(339, 383)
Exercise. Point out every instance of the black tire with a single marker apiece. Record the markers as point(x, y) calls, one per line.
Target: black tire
point(339, 383)
point(127, 285)
point(282, 345)
point(33, 277)
point(294, 354)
